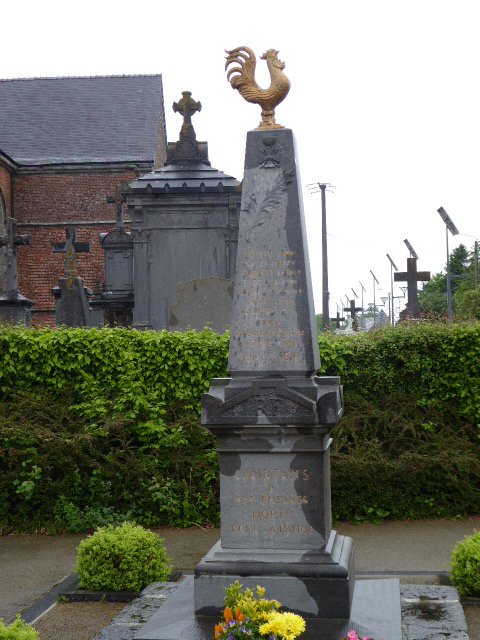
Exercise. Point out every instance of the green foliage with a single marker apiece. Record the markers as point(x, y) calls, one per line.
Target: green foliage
point(122, 558)
point(102, 426)
point(403, 460)
point(18, 630)
point(465, 573)
point(251, 603)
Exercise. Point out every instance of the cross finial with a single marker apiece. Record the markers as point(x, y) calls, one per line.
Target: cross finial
point(187, 107)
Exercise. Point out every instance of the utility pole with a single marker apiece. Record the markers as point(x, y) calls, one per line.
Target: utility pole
point(323, 186)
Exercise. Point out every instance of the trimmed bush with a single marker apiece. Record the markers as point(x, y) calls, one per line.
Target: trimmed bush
point(123, 558)
point(100, 426)
point(465, 573)
point(18, 630)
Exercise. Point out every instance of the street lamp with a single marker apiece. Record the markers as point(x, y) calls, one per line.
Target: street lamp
point(449, 226)
point(411, 249)
point(392, 267)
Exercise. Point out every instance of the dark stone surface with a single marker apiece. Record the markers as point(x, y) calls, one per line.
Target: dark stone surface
point(273, 325)
point(115, 303)
point(433, 613)
point(273, 400)
point(272, 417)
point(314, 584)
point(204, 302)
point(184, 227)
point(72, 303)
point(14, 307)
point(375, 611)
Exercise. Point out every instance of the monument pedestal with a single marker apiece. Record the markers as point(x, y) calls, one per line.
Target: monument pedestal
point(15, 308)
point(315, 584)
point(272, 420)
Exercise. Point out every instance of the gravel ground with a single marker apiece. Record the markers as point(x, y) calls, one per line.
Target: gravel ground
point(77, 620)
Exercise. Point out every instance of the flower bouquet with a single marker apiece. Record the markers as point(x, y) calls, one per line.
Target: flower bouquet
point(248, 613)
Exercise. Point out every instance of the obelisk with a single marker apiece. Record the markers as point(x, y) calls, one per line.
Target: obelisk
point(272, 419)
point(273, 416)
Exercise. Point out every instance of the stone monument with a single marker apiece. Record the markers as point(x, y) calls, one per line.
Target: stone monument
point(71, 294)
point(272, 420)
point(14, 307)
point(184, 224)
point(116, 300)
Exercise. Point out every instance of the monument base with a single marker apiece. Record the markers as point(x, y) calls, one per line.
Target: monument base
point(310, 583)
point(15, 309)
point(375, 613)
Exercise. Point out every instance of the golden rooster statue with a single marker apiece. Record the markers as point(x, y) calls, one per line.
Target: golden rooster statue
point(242, 77)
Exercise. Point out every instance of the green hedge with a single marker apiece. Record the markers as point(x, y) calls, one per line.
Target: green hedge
point(97, 426)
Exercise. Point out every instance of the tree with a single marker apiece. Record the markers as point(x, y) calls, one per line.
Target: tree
point(433, 298)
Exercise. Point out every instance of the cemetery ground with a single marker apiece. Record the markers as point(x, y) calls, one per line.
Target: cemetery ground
point(418, 552)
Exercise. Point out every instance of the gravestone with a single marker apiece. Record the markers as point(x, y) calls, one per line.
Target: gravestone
point(352, 310)
point(338, 319)
point(14, 307)
point(116, 300)
point(71, 294)
point(202, 303)
point(272, 420)
point(411, 277)
point(184, 230)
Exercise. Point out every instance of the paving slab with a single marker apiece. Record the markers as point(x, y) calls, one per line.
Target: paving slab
point(30, 565)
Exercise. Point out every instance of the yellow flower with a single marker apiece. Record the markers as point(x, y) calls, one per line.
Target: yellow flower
point(283, 625)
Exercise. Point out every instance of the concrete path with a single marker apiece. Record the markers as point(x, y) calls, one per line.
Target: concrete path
point(30, 565)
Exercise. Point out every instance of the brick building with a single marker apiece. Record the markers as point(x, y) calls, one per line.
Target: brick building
point(65, 145)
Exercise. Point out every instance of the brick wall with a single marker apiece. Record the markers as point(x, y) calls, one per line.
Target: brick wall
point(5, 186)
point(43, 204)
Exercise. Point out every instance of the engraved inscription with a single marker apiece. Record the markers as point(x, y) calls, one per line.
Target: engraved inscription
point(266, 504)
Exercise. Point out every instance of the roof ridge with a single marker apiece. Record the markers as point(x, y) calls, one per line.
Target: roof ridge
point(124, 75)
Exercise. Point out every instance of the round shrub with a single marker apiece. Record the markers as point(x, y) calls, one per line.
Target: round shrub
point(465, 573)
point(121, 558)
point(18, 630)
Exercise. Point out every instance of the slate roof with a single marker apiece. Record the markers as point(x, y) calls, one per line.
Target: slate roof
point(197, 177)
point(81, 120)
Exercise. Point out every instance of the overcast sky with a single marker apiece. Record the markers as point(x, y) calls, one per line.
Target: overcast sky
point(384, 104)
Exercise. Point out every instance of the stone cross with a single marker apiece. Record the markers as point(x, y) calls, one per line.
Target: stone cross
point(70, 248)
point(118, 199)
point(187, 107)
point(338, 320)
point(11, 241)
point(412, 276)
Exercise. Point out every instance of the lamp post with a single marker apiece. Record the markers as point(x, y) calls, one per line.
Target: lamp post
point(411, 249)
point(449, 226)
point(374, 302)
point(392, 267)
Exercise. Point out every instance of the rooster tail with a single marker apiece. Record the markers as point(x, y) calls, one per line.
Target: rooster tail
point(244, 73)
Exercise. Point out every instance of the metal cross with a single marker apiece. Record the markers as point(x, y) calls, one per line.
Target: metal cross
point(11, 241)
point(338, 320)
point(411, 277)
